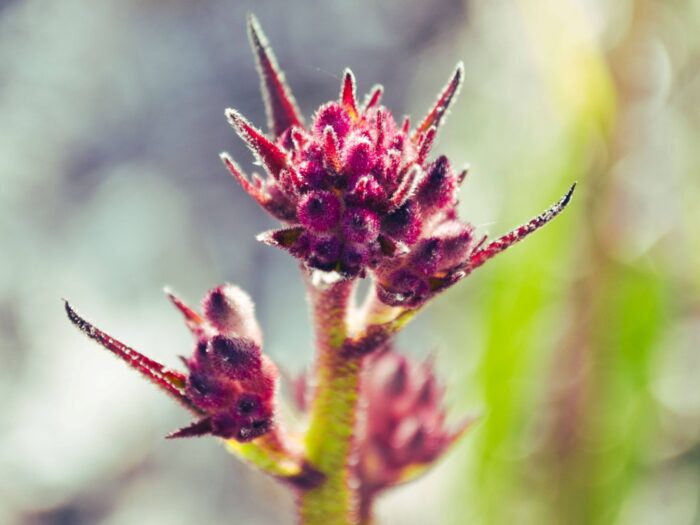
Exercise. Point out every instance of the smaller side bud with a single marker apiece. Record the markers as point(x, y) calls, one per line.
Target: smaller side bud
point(231, 311)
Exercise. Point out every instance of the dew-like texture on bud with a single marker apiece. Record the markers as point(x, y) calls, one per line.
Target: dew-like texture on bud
point(354, 157)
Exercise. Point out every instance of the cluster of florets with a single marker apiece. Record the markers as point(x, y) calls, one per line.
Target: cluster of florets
point(358, 191)
point(230, 384)
point(229, 379)
point(405, 429)
point(363, 191)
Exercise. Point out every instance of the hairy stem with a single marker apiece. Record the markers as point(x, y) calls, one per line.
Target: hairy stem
point(329, 439)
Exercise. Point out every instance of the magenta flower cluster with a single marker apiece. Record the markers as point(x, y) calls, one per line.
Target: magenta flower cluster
point(360, 196)
point(359, 191)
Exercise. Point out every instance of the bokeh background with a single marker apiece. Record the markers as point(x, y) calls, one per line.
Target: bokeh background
point(580, 348)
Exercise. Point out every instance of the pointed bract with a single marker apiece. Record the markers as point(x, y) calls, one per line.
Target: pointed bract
point(280, 106)
point(267, 152)
point(348, 97)
point(251, 189)
point(198, 428)
point(193, 320)
point(373, 97)
point(480, 256)
point(331, 150)
point(437, 112)
point(161, 376)
point(426, 144)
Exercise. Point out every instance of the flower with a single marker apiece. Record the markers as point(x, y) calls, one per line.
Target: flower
point(358, 191)
point(404, 430)
point(230, 384)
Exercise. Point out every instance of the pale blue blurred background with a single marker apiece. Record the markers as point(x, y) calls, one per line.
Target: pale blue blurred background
point(580, 348)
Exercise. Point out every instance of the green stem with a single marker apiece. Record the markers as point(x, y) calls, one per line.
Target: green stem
point(270, 455)
point(329, 439)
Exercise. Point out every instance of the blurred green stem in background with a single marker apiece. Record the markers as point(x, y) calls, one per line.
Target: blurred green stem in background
point(591, 412)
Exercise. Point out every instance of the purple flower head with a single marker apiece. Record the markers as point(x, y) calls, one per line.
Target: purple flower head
point(229, 384)
point(359, 192)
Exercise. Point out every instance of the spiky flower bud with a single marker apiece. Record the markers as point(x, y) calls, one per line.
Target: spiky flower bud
point(230, 385)
point(404, 431)
point(359, 192)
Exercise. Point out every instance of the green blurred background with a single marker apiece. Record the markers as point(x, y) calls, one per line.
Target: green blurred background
point(579, 349)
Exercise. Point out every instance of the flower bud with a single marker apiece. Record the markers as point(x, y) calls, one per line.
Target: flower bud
point(234, 357)
point(358, 156)
point(360, 225)
point(438, 188)
point(333, 115)
point(231, 311)
point(324, 253)
point(455, 243)
point(403, 224)
point(319, 211)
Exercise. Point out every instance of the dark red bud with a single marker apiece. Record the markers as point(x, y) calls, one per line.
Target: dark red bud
point(438, 189)
point(319, 211)
point(235, 357)
point(426, 256)
point(206, 391)
point(403, 224)
point(404, 288)
point(353, 259)
point(249, 405)
point(360, 225)
point(325, 253)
